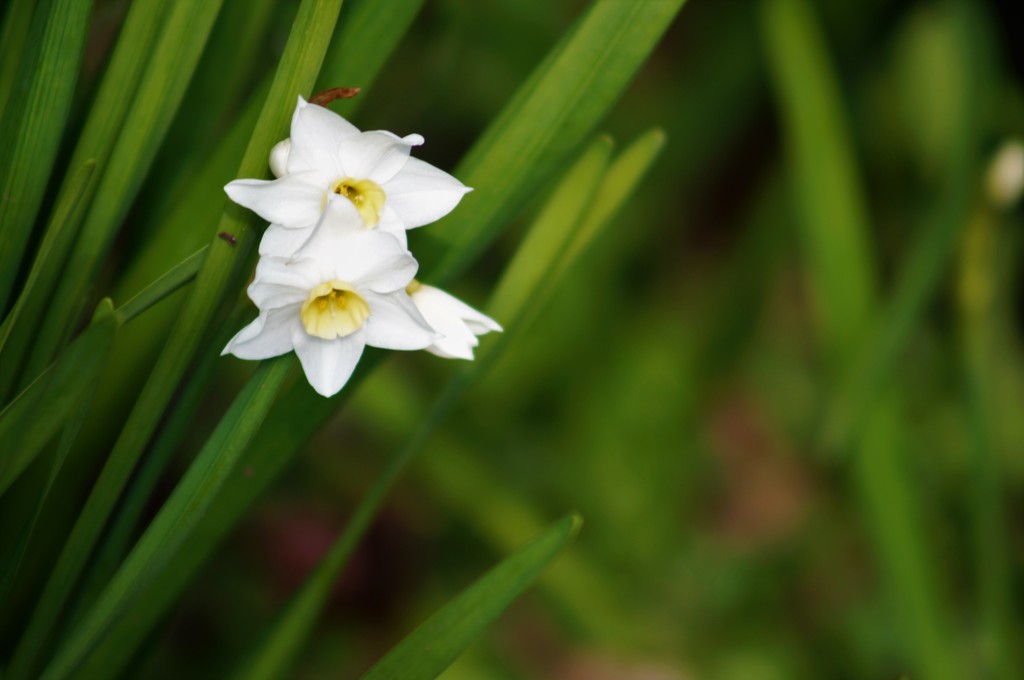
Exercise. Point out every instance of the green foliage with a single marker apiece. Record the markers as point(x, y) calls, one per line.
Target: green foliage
point(549, 116)
point(442, 638)
point(34, 118)
point(778, 371)
point(29, 422)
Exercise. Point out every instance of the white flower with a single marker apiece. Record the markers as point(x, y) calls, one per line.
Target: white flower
point(343, 291)
point(457, 322)
point(327, 155)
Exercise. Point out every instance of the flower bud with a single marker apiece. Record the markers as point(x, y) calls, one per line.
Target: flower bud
point(279, 157)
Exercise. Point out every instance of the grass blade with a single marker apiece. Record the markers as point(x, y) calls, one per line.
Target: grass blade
point(115, 95)
point(33, 123)
point(178, 276)
point(436, 644)
point(12, 561)
point(63, 213)
point(834, 231)
point(827, 188)
point(551, 114)
point(299, 65)
point(981, 352)
point(118, 539)
point(380, 23)
point(29, 422)
point(925, 268)
point(179, 45)
point(301, 61)
point(13, 35)
point(183, 509)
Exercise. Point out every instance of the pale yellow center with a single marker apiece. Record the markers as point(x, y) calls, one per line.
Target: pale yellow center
point(366, 195)
point(334, 310)
point(413, 286)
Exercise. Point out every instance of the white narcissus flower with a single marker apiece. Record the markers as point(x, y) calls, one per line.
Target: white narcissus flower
point(344, 291)
point(457, 322)
point(326, 155)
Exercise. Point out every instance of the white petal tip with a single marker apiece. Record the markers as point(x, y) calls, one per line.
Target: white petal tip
point(414, 140)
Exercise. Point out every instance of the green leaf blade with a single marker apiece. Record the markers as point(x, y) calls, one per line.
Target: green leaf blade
point(179, 46)
point(104, 122)
point(67, 205)
point(548, 117)
point(305, 49)
point(436, 644)
point(33, 123)
point(182, 511)
point(29, 422)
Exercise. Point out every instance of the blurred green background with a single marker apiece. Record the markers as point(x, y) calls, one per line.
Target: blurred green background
point(784, 390)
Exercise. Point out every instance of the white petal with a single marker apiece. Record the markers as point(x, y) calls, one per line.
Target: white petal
point(280, 242)
point(270, 335)
point(280, 282)
point(316, 134)
point(482, 325)
point(457, 341)
point(395, 323)
point(391, 224)
point(293, 201)
point(378, 155)
point(421, 194)
point(454, 347)
point(368, 259)
point(431, 300)
point(328, 364)
point(338, 220)
point(279, 157)
point(455, 320)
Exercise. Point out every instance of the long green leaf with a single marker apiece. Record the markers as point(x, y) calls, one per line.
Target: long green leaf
point(925, 268)
point(827, 190)
point(377, 23)
point(13, 558)
point(296, 72)
point(183, 509)
point(178, 276)
point(549, 117)
point(550, 235)
point(453, 469)
point(117, 540)
point(113, 99)
point(29, 422)
point(179, 46)
point(834, 233)
point(33, 123)
point(440, 640)
point(63, 213)
point(980, 279)
point(299, 64)
point(13, 36)
point(229, 74)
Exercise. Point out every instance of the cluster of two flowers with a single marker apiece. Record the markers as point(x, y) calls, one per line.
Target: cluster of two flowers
point(335, 273)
